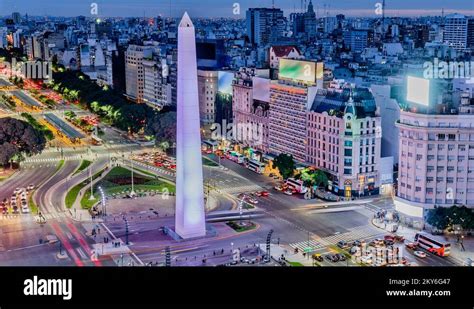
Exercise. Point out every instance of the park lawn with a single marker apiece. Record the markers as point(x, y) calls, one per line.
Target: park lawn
point(71, 196)
point(296, 264)
point(84, 164)
point(238, 228)
point(32, 204)
point(120, 174)
point(208, 162)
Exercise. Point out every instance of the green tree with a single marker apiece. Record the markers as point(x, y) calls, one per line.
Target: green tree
point(285, 165)
point(443, 218)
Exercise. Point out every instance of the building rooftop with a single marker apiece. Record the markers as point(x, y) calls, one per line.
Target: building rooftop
point(336, 102)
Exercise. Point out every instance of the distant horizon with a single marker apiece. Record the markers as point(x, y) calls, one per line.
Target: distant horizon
point(225, 8)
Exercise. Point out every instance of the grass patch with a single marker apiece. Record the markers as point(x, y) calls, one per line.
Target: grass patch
point(241, 228)
point(84, 164)
point(295, 264)
point(31, 202)
point(35, 124)
point(71, 196)
point(208, 162)
point(118, 181)
point(60, 165)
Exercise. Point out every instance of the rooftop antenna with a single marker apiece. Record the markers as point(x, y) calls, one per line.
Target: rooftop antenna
point(383, 12)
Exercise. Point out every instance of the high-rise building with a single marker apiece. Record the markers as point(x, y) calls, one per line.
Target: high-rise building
point(344, 140)
point(16, 17)
point(3, 37)
point(356, 40)
point(290, 98)
point(263, 24)
point(157, 91)
point(470, 33)
point(250, 107)
point(190, 218)
point(207, 87)
point(456, 31)
point(305, 23)
point(134, 72)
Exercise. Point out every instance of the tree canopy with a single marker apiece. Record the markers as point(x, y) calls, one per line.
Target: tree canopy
point(445, 217)
point(285, 165)
point(18, 137)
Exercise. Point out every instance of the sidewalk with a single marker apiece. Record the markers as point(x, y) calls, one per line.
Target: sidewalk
point(456, 249)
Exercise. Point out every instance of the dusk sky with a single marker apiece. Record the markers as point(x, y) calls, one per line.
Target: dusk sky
point(223, 8)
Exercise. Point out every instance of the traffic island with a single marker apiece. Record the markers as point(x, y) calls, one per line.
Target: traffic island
point(62, 255)
point(241, 226)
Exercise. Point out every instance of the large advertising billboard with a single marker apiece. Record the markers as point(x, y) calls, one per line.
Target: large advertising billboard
point(298, 70)
point(418, 90)
point(224, 82)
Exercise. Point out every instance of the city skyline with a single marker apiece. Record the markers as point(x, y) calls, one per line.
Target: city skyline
point(147, 8)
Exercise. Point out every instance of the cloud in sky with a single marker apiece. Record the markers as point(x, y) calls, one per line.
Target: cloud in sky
point(224, 8)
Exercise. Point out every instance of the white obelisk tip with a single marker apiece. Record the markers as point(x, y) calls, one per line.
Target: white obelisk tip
point(186, 21)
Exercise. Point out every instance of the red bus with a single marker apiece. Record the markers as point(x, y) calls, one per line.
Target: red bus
point(433, 244)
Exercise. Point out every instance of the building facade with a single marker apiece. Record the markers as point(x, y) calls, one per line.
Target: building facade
point(134, 72)
point(207, 89)
point(344, 140)
point(436, 161)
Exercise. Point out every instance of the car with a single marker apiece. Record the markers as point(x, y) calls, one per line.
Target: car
point(288, 192)
point(17, 190)
point(353, 250)
point(318, 257)
point(328, 257)
point(15, 209)
point(4, 210)
point(399, 238)
point(389, 237)
point(388, 242)
point(367, 259)
point(419, 254)
point(30, 187)
point(335, 258)
point(404, 260)
point(410, 245)
point(251, 200)
point(356, 243)
point(244, 260)
point(262, 193)
point(342, 244)
point(25, 210)
point(278, 188)
point(341, 257)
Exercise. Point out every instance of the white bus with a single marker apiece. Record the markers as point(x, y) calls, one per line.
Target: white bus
point(433, 244)
point(256, 166)
point(297, 185)
point(236, 157)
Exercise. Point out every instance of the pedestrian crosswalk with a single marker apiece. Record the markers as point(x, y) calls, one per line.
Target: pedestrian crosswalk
point(54, 215)
point(66, 158)
point(303, 245)
point(231, 189)
point(157, 169)
point(357, 233)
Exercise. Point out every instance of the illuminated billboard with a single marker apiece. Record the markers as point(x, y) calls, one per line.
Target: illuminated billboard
point(224, 82)
point(298, 70)
point(418, 90)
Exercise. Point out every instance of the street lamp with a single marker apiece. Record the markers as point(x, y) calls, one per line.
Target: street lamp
point(91, 198)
